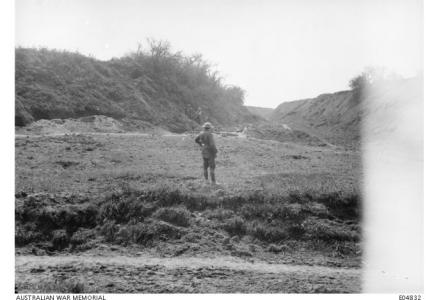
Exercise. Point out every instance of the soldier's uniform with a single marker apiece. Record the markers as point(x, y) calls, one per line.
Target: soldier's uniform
point(206, 141)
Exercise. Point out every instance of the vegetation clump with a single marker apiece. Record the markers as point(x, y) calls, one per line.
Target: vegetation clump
point(179, 216)
point(144, 217)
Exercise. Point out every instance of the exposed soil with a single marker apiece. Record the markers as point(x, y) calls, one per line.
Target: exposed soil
point(144, 274)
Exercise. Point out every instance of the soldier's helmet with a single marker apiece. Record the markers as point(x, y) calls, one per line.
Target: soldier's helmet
point(207, 125)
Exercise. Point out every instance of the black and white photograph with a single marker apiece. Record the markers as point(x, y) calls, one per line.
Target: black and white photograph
point(218, 147)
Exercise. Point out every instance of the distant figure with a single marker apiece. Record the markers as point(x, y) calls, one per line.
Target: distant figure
point(245, 132)
point(206, 141)
point(199, 115)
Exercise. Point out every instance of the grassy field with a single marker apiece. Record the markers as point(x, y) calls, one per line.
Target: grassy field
point(97, 164)
point(127, 194)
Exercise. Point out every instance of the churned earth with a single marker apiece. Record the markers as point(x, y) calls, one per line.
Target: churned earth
point(142, 274)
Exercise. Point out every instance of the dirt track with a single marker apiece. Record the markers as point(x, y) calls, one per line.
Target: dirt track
point(142, 274)
point(21, 136)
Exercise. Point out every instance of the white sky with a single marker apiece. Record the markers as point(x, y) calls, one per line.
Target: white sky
point(277, 50)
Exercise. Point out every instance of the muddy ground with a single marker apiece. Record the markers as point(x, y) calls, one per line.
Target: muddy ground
point(142, 274)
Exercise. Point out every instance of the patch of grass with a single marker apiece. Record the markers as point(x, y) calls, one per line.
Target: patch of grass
point(143, 217)
point(60, 239)
point(328, 230)
point(268, 233)
point(82, 237)
point(235, 226)
point(276, 248)
point(144, 233)
point(220, 214)
point(42, 219)
point(179, 216)
point(24, 235)
point(343, 206)
point(148, 232)
point(121, 209)
point(108, 230)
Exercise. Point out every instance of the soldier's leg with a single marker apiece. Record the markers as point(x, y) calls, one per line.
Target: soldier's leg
point(212, 169)
point(205, 168)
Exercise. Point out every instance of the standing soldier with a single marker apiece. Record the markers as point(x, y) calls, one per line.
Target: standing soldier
point(206, 141)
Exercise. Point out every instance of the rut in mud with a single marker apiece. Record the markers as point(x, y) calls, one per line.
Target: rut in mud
point(123, 274)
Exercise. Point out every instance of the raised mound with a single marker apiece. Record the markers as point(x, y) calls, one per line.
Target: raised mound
point(158, 87)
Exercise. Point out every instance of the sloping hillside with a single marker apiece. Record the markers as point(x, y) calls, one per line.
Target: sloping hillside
point(263, 112)
point(276, 132)
point(157, 86)
point(333, 117)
